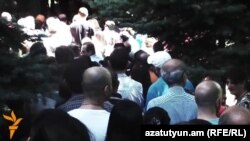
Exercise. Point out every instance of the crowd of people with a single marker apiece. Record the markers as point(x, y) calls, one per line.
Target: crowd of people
point(114, 82)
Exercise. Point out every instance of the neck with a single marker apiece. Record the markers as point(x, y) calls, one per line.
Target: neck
point(206, 114)
point(90, 104)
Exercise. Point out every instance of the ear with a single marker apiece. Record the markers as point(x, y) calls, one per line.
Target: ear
point(108, 91)
point(184, 78)
point(218, 104)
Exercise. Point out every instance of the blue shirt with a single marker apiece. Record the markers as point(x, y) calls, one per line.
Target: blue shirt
point(214, 121)
point(180, 105)
point(160, 87)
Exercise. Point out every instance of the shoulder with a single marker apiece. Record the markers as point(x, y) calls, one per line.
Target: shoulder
point(189, 97)
point(157, 101)
point(75, 17)
point(75, 111)
point(136, 82)
point(159, 83)
point(129, 81)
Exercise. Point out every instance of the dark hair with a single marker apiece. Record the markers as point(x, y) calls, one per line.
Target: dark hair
point(76, 49)
point(119, 59)
point(124, 38)
point(90, 47)
point(64, 54)
point(37, 49)
point(62, 17)
point(156, 116)
point(141, 56)
point(74, 71)
point(140, 73)
point(159, 46)
point(195, 122)
point(121, 45)
point(56, 125)
point(124, 122)
point(237, 76)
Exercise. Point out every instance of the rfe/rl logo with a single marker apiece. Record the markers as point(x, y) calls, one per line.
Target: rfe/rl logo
point(15, 121)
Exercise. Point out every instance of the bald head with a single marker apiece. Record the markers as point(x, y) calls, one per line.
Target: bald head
point(173, 72)
point(207, 93)
point(173, 64)
point(96, 79)
point(235, 115)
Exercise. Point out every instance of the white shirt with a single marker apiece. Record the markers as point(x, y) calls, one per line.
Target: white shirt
point(96, 58)
point(95, 120)
point(130, 89)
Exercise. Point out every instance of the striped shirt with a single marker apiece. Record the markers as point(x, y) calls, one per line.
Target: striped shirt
point(180, 105)
point(73, 103)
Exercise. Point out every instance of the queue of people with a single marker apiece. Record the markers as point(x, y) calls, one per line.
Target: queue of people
point(111, 84)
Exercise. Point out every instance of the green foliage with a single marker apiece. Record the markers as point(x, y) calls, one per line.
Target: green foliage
point(196, 30)
point(6, 5)
point(23, 78)
point(10, 36)
point(177, 19)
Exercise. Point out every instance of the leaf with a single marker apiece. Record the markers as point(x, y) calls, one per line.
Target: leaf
point(13, 116)
point(8, 118)
point(17, 121)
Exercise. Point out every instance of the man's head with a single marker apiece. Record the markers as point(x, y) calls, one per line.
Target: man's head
point(173, 72)
point(73, 73)
point(158, 58)
point(81, 16)
point(6, 16)
point(97, 83)
point(237, 81)
point(88, 48)
point(208, 94)
point(63, 17)
point(141, 56)
point(39, 21)
point(83, 12)
point(235, 115)
point(57, 125)
point(119, 59)
point(37, 49)
point(156, 116)
point(109, 25)
point(64, 55)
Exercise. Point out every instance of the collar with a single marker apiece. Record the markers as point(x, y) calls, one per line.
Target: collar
point(176, 89)
point(121, 74)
